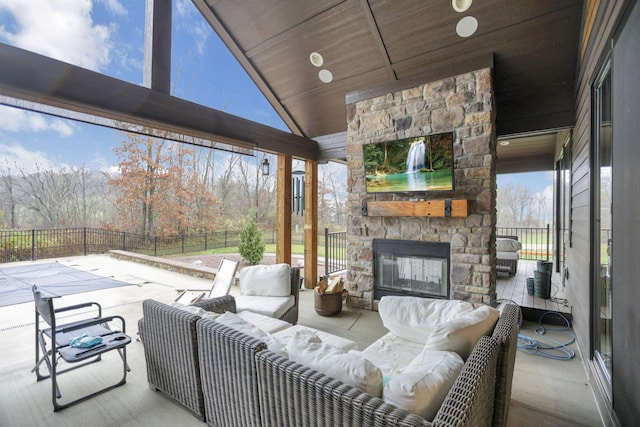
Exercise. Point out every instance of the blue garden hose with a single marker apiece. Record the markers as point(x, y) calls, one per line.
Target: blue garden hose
point(551, 348)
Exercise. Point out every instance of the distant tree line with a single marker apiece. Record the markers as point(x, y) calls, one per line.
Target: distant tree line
point(518, 206)
point(161, 188)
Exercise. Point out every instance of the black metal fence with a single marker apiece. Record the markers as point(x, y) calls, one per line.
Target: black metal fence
point(536, 243)
point(23, 245)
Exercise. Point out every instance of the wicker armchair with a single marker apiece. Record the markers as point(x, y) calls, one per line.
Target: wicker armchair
point(171, 349)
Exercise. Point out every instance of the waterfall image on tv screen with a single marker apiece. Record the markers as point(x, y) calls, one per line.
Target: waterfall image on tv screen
point(422, 163)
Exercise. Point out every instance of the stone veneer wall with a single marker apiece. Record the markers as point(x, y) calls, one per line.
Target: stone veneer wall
point(463, 104)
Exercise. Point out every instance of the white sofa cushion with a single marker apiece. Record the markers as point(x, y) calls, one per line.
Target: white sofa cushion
point(266, 280)
point(267, 324)
point(340, 343)
point(461, 334)
point(391, 354)
point(307, 349)
point(413, 318)
point(269, 306)
point(236, 322)
point(507, 245)
point(423, 385)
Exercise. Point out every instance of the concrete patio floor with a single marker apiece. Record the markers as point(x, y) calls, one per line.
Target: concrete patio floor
point(546, 392)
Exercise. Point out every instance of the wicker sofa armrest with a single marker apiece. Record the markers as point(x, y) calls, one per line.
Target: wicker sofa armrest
point(218, 304)
point(291, 315)
point(168, 335)
point(470, 401)
point(506, 335)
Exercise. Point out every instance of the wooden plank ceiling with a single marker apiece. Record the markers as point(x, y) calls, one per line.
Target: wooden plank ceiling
point(369, 43)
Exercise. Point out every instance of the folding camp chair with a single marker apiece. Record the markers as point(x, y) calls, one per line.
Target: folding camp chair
point(221, 284)
point(59, 338)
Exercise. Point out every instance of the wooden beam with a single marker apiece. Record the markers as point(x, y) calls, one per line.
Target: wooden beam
point(42, 80)
point(283, 210)
point(157, 46)
point(311, 224)
point(435, 208)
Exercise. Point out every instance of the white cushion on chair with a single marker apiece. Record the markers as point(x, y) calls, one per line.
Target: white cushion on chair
point(513, 256)
point(236, 322)
point(266, 280)
point(343, 344)
point(507, 245)
point(266, 323)
point(269, 306)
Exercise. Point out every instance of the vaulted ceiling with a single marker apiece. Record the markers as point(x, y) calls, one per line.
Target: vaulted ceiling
point(372, 46)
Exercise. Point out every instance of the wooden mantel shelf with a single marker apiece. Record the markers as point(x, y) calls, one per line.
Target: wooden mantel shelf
point(435, 208)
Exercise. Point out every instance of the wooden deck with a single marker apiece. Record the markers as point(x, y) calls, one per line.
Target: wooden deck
point(514, 288)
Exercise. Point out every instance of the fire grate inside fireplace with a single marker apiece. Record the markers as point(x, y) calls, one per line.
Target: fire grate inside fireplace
point(408, 267)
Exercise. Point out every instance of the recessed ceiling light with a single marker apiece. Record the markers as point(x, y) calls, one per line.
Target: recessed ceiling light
point(316, 59)
point(325, 76)
point(505, 143)
point(461, 5)
point(467, 26)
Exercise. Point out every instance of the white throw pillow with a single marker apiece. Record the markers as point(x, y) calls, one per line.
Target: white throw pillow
point(189, 308)
point(423, 385)
point(413, 318)
point(236, 322)
point(266, 280)
point(307, 349)
point(462, 334)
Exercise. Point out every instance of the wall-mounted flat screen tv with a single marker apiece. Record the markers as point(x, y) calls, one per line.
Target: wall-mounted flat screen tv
point(423, 163)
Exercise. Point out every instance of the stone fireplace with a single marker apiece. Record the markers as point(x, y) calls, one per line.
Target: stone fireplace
point(462, 104)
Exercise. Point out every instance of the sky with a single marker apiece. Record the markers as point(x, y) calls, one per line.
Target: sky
point(107, 36)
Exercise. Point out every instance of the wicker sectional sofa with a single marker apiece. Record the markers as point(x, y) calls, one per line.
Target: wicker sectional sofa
point(242, 383)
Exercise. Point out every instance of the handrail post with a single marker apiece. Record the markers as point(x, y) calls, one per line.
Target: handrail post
point(547, 242)
point(327, 267)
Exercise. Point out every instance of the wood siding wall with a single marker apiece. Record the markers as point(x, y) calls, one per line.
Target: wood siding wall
point(578, 258)
point(596, 46)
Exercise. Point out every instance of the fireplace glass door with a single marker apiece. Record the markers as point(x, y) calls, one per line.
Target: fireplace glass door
point(411, 268)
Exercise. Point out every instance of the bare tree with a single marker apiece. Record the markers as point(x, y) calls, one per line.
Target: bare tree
point(9, 196)
point(514, 204)
point(159, 192)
